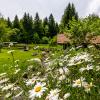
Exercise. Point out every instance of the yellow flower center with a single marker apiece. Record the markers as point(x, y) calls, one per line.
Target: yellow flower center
point(78, 82)
point(88, 86)
point(38, 88)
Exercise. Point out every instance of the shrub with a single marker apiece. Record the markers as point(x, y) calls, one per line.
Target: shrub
point(45, 40)
point(53, 40)
point(36, 38)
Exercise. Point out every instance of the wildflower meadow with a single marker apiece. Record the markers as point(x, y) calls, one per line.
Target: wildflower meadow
point(50, 50)
point(56, 74)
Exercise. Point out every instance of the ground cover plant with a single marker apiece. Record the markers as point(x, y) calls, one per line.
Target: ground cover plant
point(71, 74)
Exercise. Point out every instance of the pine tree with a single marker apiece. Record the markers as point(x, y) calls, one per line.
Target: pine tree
point(30, 28)
point(45, 21)
point(46, 31)
point(52, 26)
point(38, 28)
point(65, 17)
point(45, 27)
point(27, 23)
point(9, 23)
point(76, 16)
point(74, 13)
point(57, 28)
point(16, 23)
point(69, 13)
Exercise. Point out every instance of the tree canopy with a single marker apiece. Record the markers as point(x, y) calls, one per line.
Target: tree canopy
point(30, 29)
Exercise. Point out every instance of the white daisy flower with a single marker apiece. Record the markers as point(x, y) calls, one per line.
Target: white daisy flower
point(79, 58)
point(64, 70)
point(88, 86)
point(78, 82)
point(4, 80)
point(38, 90)
point(54, 95)
point(89, 67)
point(7, 87)
point(62, 77)
point(67, 95)
point(61, 71)
point(31, 81)
point(82, 69)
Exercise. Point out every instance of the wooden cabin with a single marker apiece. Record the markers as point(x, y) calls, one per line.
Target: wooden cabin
point(95, 40)
point(64, 40)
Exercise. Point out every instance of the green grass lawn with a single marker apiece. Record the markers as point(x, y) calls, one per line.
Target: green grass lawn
point(19, 54)
point(6, 58)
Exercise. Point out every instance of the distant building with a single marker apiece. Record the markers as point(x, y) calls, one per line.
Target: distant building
point(63, 40)
point(95, 40)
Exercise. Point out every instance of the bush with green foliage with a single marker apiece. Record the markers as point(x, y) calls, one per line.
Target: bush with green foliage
point(45, 40)
point(53, 41)
point(36, 38)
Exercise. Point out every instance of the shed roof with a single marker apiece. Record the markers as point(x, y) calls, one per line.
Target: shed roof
point(62, 39)
point(95, 40)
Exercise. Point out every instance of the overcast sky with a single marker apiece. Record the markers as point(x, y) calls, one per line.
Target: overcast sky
point(9, 8)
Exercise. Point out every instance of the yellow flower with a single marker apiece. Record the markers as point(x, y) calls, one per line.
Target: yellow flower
point(38, 88)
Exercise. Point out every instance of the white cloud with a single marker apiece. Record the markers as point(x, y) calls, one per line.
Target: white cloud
point(45, 7)
point(93, 7)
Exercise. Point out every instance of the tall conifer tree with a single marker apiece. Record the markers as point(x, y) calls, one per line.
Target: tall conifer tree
point(38, 28)
point(16, 23)
point(52, 26)
point(9, 23)
point(69, 13)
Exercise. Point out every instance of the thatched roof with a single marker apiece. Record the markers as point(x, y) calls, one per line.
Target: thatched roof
point(62, 39)
point(95, 40)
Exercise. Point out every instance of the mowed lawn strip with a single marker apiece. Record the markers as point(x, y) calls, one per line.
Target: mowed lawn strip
point(6, 58)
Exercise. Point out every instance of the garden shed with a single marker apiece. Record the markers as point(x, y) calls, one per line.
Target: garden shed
point(95, 40)
point(64, 40)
